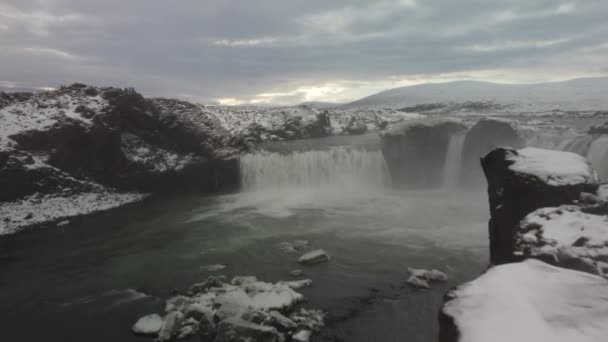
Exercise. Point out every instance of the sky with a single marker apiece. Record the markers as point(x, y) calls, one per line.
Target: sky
point(282, 52)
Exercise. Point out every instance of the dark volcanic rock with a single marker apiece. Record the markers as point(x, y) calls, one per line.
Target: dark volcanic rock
point(483, 137)
point(513, 195)
point(82, 139)
point(415, 150)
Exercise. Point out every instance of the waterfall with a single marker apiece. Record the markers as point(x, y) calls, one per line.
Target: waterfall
point(338, 166)
point(453, 160)
point(598, 156)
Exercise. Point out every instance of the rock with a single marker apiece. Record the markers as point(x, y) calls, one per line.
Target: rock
point(281, 322)
point(309, 319)
point(238, 330)
point(301, 336)
point(68, 142)
point(432, 275)
point(314, 257)
point(297, 284)
point(418, 282)
point(213, 268)
point(415, 150)
point(296, 273)
point(522, 181)
point(148, 325)
point(170, 326)
point(293, 246)
point(527, 301)
point(564, 236)
point(206, 330)
point(486, 135)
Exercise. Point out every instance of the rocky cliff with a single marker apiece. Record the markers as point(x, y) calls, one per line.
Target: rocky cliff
point(546, 207)
point(104, 147)
point(415, 150)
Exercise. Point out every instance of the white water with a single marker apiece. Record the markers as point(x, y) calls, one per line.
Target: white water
point(338, 166)
point(453, 160)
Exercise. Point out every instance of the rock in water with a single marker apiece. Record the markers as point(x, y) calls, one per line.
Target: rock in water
point(238, 330)
point(302, 336)
point(148, 325)
point(170, 326)
point(296, 273)
point(297, 284)
point(418, 282)
point(432, 275)
point(314, 257)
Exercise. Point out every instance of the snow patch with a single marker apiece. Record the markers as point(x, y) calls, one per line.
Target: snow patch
point(555, 168)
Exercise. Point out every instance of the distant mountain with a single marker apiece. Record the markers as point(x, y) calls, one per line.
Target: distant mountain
point(584, 94)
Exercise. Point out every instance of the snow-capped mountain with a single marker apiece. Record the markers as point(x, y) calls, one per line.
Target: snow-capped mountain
point(585, 94)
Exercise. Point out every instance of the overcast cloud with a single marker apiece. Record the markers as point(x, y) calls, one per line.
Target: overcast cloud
point(286, 52)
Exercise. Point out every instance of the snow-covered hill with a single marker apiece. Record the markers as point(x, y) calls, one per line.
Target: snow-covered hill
point(585, 94)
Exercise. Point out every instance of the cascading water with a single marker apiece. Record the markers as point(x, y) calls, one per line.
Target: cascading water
point(453, 160)
point(598, 155)
point(338, 166)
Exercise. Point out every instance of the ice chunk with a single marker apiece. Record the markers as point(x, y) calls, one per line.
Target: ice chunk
point(314, 257)
point(148, 325)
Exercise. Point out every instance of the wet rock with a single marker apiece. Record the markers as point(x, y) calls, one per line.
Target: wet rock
point(418, 282)
point(296, 273)
point(314, 257)
point(170, 327)
point(298, 284)
point(238, 330)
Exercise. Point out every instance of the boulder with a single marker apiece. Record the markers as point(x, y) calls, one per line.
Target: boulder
point(148, 325)
point(314, 257)
point(415, 150)
point(238, 330)
point(522, 181)
point(486, 135)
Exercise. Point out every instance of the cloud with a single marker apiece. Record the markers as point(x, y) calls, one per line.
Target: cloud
point(283, 52)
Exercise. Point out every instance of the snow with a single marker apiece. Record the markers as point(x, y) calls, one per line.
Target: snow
point(432, 275)
point(555, 168)
point(587, 94)
point(531, 302)
point(418, 282)
point(564, 233)
point(149, 324)
point(298, 284)
point(153, 158)
point(43, 208)
point(302, 336)
point(314, 257)
point(403, 127)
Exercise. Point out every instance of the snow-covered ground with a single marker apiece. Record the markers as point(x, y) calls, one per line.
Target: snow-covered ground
point(43, 208)
point(531, 301)
point(582, 95)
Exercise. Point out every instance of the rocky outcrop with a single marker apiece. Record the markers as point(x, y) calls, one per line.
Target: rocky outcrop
point(243, 310)
point(486, 135)
point(518, 184)
point(549, 251)
point(415, 150)
point(86, 139)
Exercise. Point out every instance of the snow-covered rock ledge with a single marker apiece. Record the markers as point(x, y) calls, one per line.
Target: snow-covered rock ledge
point(546, 208)
point(529, 301)
point(522, 181)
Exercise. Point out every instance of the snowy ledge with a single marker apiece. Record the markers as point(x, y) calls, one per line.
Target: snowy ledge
point(530, 301)
point(565, 236)
point(38, 208)
point(555, 168)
